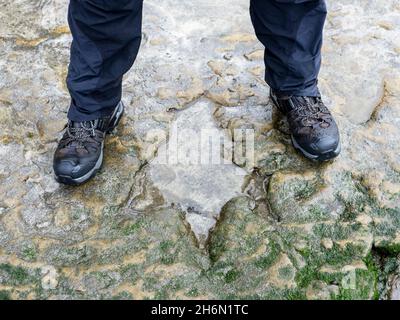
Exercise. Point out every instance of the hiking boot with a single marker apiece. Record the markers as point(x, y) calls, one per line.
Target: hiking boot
point(79, 154)
point(313, 129)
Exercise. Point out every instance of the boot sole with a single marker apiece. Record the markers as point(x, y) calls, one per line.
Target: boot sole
point(115, 120)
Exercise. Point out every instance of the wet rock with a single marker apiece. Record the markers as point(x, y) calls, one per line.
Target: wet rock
point(264, 224)
point(101, 280)
point(190, 170)
point(395, 293)
point(351, 51)
point(4, 236)
point(69, 256)
point(319, 290)
point(50, 278)
point(255, 55)
point(201, 227)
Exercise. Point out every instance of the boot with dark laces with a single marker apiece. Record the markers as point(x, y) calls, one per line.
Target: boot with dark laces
point(313, 129)
point(79, 154)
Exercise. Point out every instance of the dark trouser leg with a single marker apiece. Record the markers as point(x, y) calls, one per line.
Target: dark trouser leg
point(291, 31)
point(106, 40)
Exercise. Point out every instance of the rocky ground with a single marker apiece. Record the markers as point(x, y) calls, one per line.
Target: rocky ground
point(276, 226)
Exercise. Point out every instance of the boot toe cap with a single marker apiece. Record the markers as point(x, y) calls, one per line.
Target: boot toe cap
point(325, 145)
point(71, 167)
point(323, 149)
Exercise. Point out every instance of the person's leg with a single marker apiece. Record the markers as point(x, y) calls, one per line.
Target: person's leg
point(106, 40)
point(291, 31)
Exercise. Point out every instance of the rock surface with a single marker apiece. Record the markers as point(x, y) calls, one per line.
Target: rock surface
point(268, 225)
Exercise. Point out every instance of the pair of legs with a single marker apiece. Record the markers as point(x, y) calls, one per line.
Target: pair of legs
point(106, 41)
point(107, 37)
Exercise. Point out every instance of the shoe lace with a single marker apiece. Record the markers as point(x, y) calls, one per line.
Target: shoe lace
point(79, 135)
point(311, 111)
